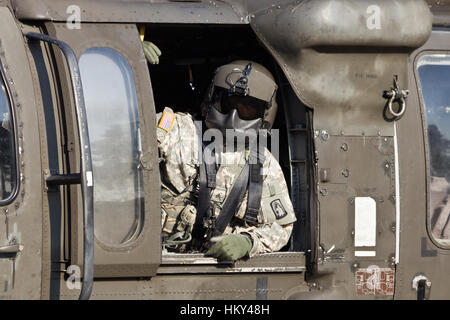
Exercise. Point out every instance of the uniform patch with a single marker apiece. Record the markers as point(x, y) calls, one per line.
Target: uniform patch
point(166, 121)
point(278, 209)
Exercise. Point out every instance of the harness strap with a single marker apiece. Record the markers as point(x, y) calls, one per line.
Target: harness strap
point(249, 179)
point(206, 182)
point(256, 160)
point(204, 194)
point(211, 172)
point(233, 201)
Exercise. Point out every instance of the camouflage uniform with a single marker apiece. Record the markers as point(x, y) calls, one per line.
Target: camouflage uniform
point(178, 147)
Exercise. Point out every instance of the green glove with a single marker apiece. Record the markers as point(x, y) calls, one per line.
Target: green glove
point(231, 247)
point(152, 52)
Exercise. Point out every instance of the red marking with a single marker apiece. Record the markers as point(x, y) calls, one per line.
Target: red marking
point(375, 281)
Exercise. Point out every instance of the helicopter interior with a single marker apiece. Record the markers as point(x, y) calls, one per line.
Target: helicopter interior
point(190, 54)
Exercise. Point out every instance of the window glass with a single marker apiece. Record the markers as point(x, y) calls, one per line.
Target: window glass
point(7, 149)
point(114, 133)
point(434, 75)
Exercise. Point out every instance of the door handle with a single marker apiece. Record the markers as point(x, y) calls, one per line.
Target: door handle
point(422, 285)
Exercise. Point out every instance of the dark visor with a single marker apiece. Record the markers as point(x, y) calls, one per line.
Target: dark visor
point(247, 107)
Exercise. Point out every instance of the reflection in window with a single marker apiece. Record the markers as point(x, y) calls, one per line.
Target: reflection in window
point(7, 150)
point(434, 75)
point(114, 133)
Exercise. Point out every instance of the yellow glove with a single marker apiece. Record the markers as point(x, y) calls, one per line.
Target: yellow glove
point(152, 52)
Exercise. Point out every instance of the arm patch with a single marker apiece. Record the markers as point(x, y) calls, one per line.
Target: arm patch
point(278, 209)
point(166, 121)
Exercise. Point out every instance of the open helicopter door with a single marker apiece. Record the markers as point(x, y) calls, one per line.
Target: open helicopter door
point(20, 170)
point(120, 117)
point(343, 60)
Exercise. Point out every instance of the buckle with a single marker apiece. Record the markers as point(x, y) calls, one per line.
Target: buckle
point(251, 216)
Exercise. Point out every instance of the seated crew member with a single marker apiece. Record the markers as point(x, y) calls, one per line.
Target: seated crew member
point(233, 208)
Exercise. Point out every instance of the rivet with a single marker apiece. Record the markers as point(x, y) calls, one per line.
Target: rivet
point(345, 173)
point(316, 133)
point(325, 135)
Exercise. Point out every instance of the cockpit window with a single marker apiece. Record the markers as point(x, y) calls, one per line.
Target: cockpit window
point(434, 75)
point(114, 133)
point(8, 181)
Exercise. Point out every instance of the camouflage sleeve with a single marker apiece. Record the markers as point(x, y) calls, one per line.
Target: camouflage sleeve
point(269, 237)
point(178, 148)
point(164, 128)
point(277, 214)
point(276, 205)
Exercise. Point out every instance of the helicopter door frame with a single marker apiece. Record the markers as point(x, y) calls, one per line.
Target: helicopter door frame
point(422, 254)
point(21, 214)
point(84, 178)
point(140, 256)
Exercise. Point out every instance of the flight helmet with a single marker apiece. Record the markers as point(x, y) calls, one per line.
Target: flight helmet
point(241, 97)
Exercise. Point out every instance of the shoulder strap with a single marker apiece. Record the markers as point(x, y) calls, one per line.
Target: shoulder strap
point(256, 160)
point(206, 182)
point(204, 194)
point(211, 172)
point(233, 201)
point(250, 178)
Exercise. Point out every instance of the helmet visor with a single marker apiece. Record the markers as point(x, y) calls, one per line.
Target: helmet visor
point(248, 108)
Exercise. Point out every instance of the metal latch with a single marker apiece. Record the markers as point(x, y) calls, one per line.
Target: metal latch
point(11, 249)
point(398, 96)
point(423, 287)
